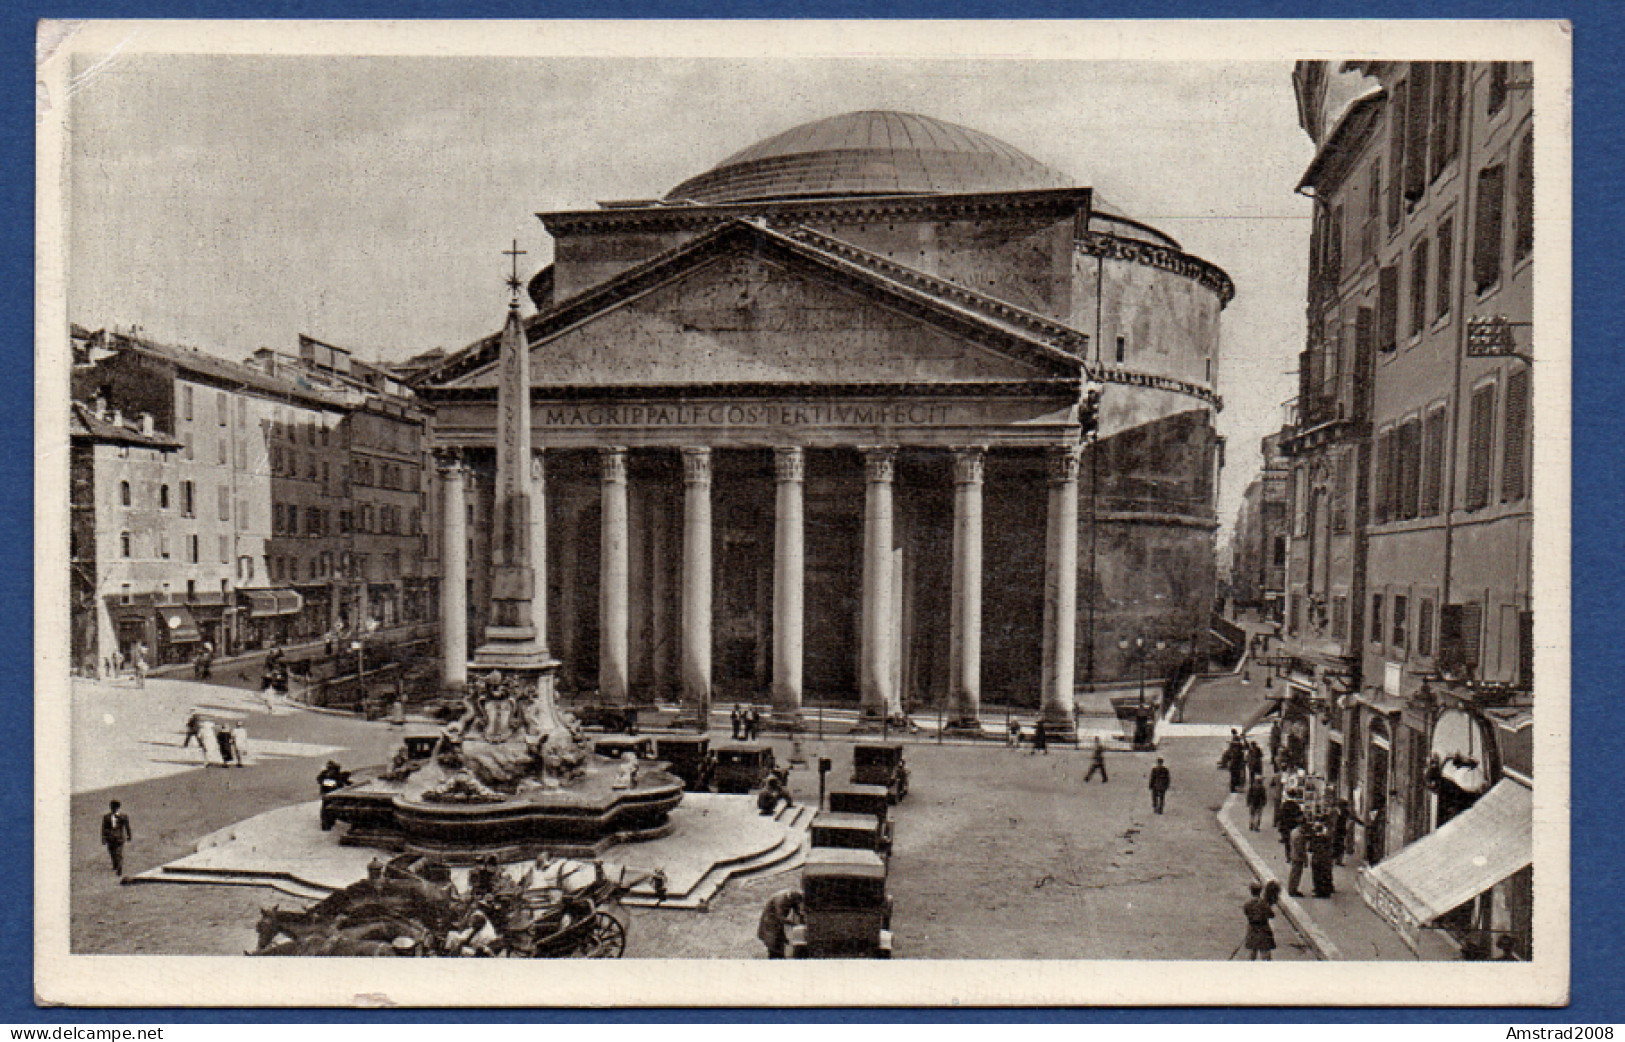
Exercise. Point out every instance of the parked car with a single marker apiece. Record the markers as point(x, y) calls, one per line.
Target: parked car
point(613, 746)
point(615, 719)
point(849, 832)
point(742, 768)
point(870, 800)
point(689, 757)
point(846, 911)
point(881, 765)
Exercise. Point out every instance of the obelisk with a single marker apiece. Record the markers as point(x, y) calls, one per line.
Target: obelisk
point(513, 642)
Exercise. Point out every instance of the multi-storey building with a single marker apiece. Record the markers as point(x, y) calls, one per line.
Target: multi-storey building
point(1259, 543)
point(1409, 586)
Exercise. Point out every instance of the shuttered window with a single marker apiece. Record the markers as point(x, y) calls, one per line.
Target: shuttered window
point(1419, 286)
point(1388, 308)
point(1396, 153)
point(1517, 422)
point(1379, 492)
point(1447, 83)
point(1334, 246)
point(1433, 466)
point(1444, 242)
point(1376, 618)
point(1410, 467)
point(1523, 233)
point(1424, 627)
point(1416, 132)
point(1480, 433)
point(1340, 493)
point(1487, 227)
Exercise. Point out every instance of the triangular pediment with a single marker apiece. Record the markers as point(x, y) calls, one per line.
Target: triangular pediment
point(752, 306)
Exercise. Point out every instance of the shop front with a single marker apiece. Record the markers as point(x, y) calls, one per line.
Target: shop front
point(270, 615)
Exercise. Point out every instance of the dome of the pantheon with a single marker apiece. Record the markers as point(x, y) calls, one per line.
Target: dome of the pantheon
point(869, 153)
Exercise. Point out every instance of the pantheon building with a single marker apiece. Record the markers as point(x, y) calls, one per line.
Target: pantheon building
point(880, 411)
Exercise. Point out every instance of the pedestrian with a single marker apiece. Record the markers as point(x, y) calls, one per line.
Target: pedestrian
point(781, 909)
point(1161, 779)
point(1260, 940)
point(239, 742)
point(1320, 859)
point(1097, 762)
point(1340, 830)
point(1040, 738)
point(1013, 736)
point(1256, 800)
point(1275, 745)
point(1288, 819)
point(194, 729)
point(223, 739)
point(141, 665)
point(1297, 854)
point(1255, 761)
point(208, 659)
point(115, 833)
point(736, 719)
point(1237, 757)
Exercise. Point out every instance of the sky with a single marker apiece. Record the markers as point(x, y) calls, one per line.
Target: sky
point(230, 202)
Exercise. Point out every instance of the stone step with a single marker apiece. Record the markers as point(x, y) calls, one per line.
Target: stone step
point(280, 881)
point(783, 856)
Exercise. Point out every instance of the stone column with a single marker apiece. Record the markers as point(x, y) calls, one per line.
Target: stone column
point(965, 609)
point(613, 620)
point(1061, 589)
point(696, 591)
point(538, 544)
point(454, 574)
point(789, 568)
point(876, 695)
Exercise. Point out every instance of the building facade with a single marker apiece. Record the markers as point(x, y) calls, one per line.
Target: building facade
point(1411, 464)
point(1259, 545)
point(903, 427)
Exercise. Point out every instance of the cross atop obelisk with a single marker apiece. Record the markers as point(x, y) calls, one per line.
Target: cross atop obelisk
point(514, 285)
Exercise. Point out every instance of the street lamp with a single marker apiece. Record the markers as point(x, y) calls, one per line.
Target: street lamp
point(1140, 647)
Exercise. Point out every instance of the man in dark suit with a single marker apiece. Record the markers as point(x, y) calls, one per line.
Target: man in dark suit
point(115, 833)
point(1161, 780)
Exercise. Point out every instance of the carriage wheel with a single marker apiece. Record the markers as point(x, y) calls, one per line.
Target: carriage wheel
point(608, 940)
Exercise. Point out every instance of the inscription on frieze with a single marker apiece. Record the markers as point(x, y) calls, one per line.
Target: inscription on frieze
point(755, 414)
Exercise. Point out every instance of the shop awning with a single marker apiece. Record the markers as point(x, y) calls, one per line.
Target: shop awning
point(1264, 712)
point(1470, 853)
point(266, 603)
point(179, 626)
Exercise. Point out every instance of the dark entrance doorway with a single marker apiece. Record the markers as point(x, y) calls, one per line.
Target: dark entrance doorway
point(742, 620)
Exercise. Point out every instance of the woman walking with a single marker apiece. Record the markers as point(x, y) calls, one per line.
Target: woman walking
point(1260, 940)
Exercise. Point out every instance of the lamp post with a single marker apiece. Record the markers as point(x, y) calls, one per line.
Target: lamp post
point(1139, 646)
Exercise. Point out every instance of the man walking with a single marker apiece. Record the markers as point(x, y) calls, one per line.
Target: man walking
point(1161, 779)
point(1098, 763)
point(115, 833)
point(1040, 739)
point(1256, 800)
point(1298, 854)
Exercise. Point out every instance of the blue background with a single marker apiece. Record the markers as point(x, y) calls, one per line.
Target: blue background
point(1598, 877)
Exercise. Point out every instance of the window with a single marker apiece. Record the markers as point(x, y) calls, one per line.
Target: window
point(1416, 132)
point(1121, 349)
point(1487, 227)
point(124, 493)
point(163, 544)
point(188, 499)
point(326, 476)
point(124, 544)
point(192, 549)
point(225, 549)
point(163, 497)
point(225, 502)
point(1419, 286)
point(220, 447)
point(1340, 617)
point(1410, 462)
point(1480, 443)
point(1373, 210)
point(1376, 618)
point(1517, 421)
point(222, 408)
point(293, 520)
point(344, 522)
point(276, 519)
point(1388, 308)
point(1401, 616)
point(1334, 246)
point(1340, 497)
point(1424, 627)
point(1447, 89)
point(1500, 78)
point(313, 521)
point(1444, 241)
point(186, 445)
point(186, 399)
point(1383, 479)
point(1396, 152)
point(1433, 466)
point(1523, 215)
point(1300, 490)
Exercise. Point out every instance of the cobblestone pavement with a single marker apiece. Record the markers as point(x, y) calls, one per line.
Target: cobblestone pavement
point(1000, 854)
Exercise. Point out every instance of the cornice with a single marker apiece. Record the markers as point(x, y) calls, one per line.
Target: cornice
point(1161, 383)
point(1164, 258)
point(1061, 388)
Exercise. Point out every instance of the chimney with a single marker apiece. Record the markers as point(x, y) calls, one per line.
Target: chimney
point(146, 423)
point(118, 418)
point(99, 406)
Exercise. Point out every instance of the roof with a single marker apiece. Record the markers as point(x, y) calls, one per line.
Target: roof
point(863, 790)
point(84, 424)
point(869, 153)
point(834, 819)
point(219, 370)
point(843, 861)
point(998, 325)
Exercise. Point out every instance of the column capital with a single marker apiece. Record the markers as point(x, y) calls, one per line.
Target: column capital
point(1061, 463)
point(789, 463)
point(968, 461)
point(696, 465)
point(613, 460)
point(448, 458)
point(880, 462)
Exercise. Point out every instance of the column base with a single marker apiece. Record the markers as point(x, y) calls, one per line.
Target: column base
point(965, 727)
point(1060, 727)
point(784, 722)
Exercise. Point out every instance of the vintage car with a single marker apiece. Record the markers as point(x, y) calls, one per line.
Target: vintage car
point(870, 800)
point(845, 910)
point(614, 745)
point(849, 832)
point(742, 768)
point(420, 742)
point(881, 765)
point(601, 716)
point(689, 757)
